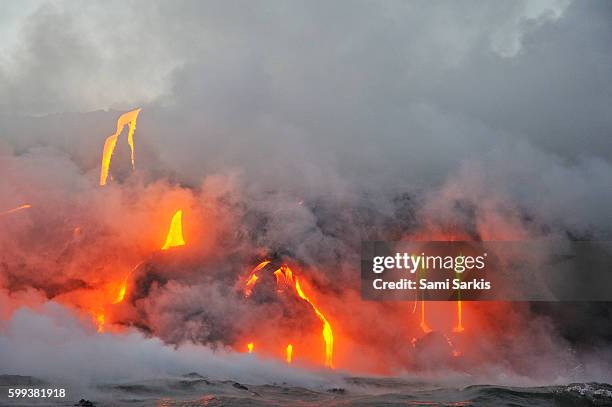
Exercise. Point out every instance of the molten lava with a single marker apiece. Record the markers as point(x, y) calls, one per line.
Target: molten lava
point(128, 119)
point(285, 279)
point(459, 327)
point(250, 283)
point(20, 207)
point(426, 329)
point(174, 237)
point(328, 335)
point(252, 278)
point(250, 347)
point(289, 353)
point(122, 290)
point(99, 318)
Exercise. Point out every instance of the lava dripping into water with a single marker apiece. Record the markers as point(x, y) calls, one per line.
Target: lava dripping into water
point(328, 335)
point(174, 237)
point(128, 119)
point(289, 353)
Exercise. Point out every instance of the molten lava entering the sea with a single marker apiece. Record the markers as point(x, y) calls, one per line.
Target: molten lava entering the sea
point(128, 119)
point(285, 279)
point(328, 335)
point(289, 352)
point(109, 298)
point(174, 238)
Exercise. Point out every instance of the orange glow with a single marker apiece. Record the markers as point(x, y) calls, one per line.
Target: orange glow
point(124, 286)
point(252, 279)
point(107, 152)
point(284, 277)
point(250, 347)
point(122, 290)
point(174, 237)
point(20, 207)
point(260, 266)
point(454, 351)
point(328, 335)
point(459, 327)
point(426, 329)
point(99, 317)
point(289, 352)
point(129, 119)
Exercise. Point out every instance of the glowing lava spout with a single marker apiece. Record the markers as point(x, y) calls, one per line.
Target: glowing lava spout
point(174, 237)
point(328, 335)
point(25, 206)
point(289, 352)
point(459, 327)
point(252, 279)
point(129, 119)
point(122, 290)
point(426, 329)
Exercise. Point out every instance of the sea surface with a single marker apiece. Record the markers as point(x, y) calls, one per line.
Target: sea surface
point(194, 390)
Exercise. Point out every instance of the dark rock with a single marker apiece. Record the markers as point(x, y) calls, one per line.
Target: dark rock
point(337, 390)
point(240, 386)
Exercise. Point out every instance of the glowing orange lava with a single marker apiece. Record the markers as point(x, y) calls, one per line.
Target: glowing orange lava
point(250, 347)
point(174, 237)
point(99, 318)
point(328, 335)
point(122, 290)
point(20, 207)
point(252, 278)
point(289, 353)
point(426, 329)
point(459, 327)
point(129, 119)
point(250, 283)
point(284, 277)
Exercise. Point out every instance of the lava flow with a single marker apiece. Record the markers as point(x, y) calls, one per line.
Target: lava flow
point(459, 327)
point(252, 278)
point(277, 306)
point(426, 329)
point(19, 208)
point(174, 238)
point(128, 119)
point(286, 278)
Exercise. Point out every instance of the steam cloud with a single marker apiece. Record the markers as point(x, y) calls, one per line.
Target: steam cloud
point(295, 131)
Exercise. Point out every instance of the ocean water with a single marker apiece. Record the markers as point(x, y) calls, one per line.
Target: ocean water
point(194, 390)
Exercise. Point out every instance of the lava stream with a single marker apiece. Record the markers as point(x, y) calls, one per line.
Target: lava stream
point(328, 335)
point(128, 119)
point(174, 237)
point(19, 208)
